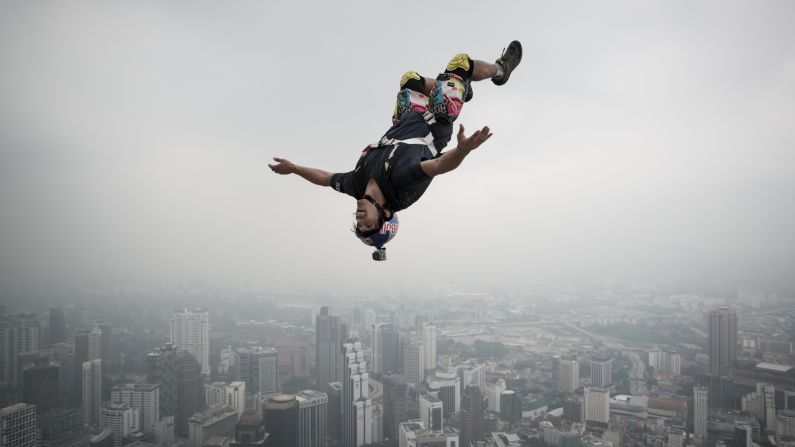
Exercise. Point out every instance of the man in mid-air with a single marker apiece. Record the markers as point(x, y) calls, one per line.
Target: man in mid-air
point(393, 173)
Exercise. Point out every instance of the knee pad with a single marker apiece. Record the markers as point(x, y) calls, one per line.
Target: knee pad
point(412, 81)
point(462, 65)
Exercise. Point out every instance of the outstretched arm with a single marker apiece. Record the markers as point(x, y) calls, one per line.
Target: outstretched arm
point(314, 175)
point(452, 159)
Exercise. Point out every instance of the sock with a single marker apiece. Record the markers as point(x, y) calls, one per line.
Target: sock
point(500, 71)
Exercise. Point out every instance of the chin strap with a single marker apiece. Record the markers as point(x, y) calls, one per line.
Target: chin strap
point(381, 209)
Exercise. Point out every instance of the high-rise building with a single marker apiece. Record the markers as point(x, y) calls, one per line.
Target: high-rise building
point(258, 367)
point(189, 390)
point(57, 326)
point(63, 428)
point(413, 353)
point(214, 421)
point(106, 349)
point(329, 335)
point(312, 413)
point(250, 430)
point(568, 375)
point(510, 407)
point(493, 392)
point(18, 426)
point(429, 343)
point(431, 412)
point(92, 392)
point(666, 362)
point(162, 370)
point(770, 408)
point(280, 413)
point(700, 412)
point(572, 409)
point(145, 397)
point(473, 374)
point(232, 395)
point(395, 395)
point(334, 418)
point(596, 405)
point(122, 419)
point(356, 405)
point(789, 399)
point(377, 347)
point(446, 385)
point(377, 423)
point(294, 359)
point(18, 334)
point(41, 386)
point(785, 428)
point(268, 372)
point(676, 437)
point(601, 372)
point(722, 340)
point(743, 435)
point(190, 332)
point(95, 344)
point(472, 416)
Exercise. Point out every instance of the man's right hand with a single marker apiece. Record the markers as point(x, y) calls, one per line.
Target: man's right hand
point(282, 166)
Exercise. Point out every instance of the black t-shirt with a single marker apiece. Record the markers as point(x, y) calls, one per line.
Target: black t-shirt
point(406, 181)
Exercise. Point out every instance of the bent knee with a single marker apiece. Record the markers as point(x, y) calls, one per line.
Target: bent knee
point(462, 65)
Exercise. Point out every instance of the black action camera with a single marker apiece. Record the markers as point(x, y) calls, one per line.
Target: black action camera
point(379, 254)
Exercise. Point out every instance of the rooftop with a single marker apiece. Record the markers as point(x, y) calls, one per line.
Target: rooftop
point(774, 367)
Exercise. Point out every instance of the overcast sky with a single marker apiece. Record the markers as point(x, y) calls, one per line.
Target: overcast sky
point(637, 138)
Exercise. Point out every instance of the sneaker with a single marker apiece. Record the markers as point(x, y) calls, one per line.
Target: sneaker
point(508, 62)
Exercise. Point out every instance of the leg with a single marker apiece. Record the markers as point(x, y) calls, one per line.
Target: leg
point(412, 96)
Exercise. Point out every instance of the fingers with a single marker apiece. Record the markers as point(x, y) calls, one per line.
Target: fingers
point(460, 131)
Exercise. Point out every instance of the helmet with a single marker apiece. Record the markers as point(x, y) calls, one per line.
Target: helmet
point(388, 230)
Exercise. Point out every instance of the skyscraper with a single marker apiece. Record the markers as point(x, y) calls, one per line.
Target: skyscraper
point(106, 350)
point(472, 420)
point(312, 413)
point(162, 370)
point(722, 340)
point(122, 419)
point(700, 413)
point(190, 332)
point(268, 372)
point(413, 353)
point(601, 372)
point(395, 411)
point(189, 390)
point(432, 412)
point(429, 343)
point(232, 395)
point(258, 367)
point(92, 392)
point(18, 426)
point(329, 335)
point(334, 419)
point(250, 430)
point(770, 408)
point(281, 420)
point(57, 326)
point(377, 347)
point(145, 397)
point(41, 386)
point(356, 406)
point(95, 344)
point(568, 375)
point(597, 405)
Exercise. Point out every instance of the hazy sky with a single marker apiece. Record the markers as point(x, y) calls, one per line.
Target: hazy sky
point(636, 138)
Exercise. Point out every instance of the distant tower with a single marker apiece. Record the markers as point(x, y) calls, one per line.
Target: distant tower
point(377, 347)
point(189, 390)
point(122, 419)
point(597, 405)
point(770, 408)
point(356, 405)
point(57, 326)
point(92, 392)
point(190, 332)
point(568, 375)
point(329, 335)
point(429, 342)
point(281, 420)
point(162, 370)
point(700, 412)
point(18, 426)
point(95, 344)
point(472, 416)
point(41, 387)
point(268, 372)
point(601, 372)
point(312, 413)
point(722, 340)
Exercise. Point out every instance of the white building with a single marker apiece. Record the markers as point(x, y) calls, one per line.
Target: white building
point(770, 408)
point(431, 412)
point(95, 344)
point(676, 438)
point(18, 426)
point(122, 419)
point(232, 395)
point(356, 405)
point(568, 375)
point(596, 405)
point(377, 347)
point(145, 397)
point(190, 332)
point(413, 361)
point(312, 418)
point(164, 430)
point(429, 344)
point(666, 362)
point(700, 413)
point(269, 372)
point(92, 392)
point(493, 392)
